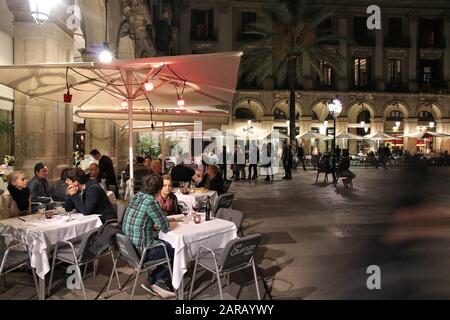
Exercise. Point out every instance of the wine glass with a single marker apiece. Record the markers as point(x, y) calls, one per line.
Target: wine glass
point(41, 211)
point(185, 212)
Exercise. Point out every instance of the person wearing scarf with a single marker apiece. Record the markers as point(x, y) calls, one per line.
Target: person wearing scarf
point(16, 200)
point(167, 199)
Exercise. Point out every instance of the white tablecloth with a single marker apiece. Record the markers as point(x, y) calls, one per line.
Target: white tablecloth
point(196, 198)
point(186, 240)
point(42, 235)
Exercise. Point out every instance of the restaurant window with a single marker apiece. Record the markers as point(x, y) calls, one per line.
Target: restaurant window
point(395, 28)
point(202, 25)
point(363, 116)
point(360, 31)
point(395, 73)
point(395, 115)
point(327, 74)
point(360, 76)
point(427, 74)
point(279, 114)
point(244, 114)
point(426, 116)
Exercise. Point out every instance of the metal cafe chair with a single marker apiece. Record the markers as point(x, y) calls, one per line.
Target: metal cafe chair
point(78, 254)
point(224, 201)
point(237, 255)
point(234, 216)
point(127, 252)
point(12, 259)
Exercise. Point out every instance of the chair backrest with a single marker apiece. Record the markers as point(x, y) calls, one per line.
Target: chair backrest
point(226, 185)
point(85, 246)
point(239, 252)
point(224, 201)
point(127, 250)
point(121, 208)
point(234, 216)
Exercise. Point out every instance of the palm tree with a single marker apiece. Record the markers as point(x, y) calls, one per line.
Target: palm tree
point(291, 29)
point(5, 126)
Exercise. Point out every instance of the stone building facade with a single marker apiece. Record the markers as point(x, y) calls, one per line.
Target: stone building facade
point(400, 73)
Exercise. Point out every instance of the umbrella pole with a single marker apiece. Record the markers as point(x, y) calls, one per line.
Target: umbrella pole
point(130, 138)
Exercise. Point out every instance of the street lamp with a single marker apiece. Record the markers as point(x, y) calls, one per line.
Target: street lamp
point(335, 109)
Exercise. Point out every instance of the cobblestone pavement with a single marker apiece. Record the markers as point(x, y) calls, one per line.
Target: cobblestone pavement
point(318, 240)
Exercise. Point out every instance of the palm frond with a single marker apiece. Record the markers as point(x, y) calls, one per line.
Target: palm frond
point(5, 126)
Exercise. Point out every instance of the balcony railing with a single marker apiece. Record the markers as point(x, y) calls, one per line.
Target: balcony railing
point(439, 43)
point(242, 36)
point(436, 86)
point(360, 41)
point(210, 37)
point(397, 42)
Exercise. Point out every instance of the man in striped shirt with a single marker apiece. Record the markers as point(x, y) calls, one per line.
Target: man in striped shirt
point(142, 218)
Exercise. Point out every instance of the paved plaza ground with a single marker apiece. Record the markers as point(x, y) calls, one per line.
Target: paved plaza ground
point(318, 240)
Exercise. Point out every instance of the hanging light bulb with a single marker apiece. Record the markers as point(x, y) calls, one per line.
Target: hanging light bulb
point(105, 56)
point(124, 103)
point(432, 124)
point(148, 85)
point(398, 124)
point(180, 103)
point(40, 10)
point(362, 123)
point(67, 96)
point(366, 129)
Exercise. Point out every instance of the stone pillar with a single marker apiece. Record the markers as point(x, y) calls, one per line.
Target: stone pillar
point(447, 52)
point(413, 32)
point(443, 126)
point(225, 29)
point(343, 83)
point(305, 126)
point(43, 130)
point(379, 60)
point(341, 126)
point(185, 27)
point(410, 144)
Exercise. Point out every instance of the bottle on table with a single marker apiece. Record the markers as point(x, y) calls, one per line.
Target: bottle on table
point(208, 209)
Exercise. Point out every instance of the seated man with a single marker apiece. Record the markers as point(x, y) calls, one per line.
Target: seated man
point(212, 180)
point(87, 196)
point(94, 173)
point(167, 199)
point(140, 171)
point(142, 217)
point(39, 187)
point(344, 169)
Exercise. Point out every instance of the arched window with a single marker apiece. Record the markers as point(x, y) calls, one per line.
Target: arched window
point(395, 115)
point(426, 116)
point(364, 116)
point(244, 114)
point(314, 116)
point(279, 114)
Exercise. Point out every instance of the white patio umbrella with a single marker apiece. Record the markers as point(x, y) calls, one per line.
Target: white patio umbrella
point(379, 136)
point(312, 135)
point(190, 82)
point(348, 136)
point(426, 134)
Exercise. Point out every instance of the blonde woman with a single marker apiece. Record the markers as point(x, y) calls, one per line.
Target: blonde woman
point(16, 200)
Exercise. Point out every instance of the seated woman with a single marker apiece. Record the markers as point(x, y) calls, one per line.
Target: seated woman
point(167, 199)
point(212, 180)
point(87, 196)
point(16, 200)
